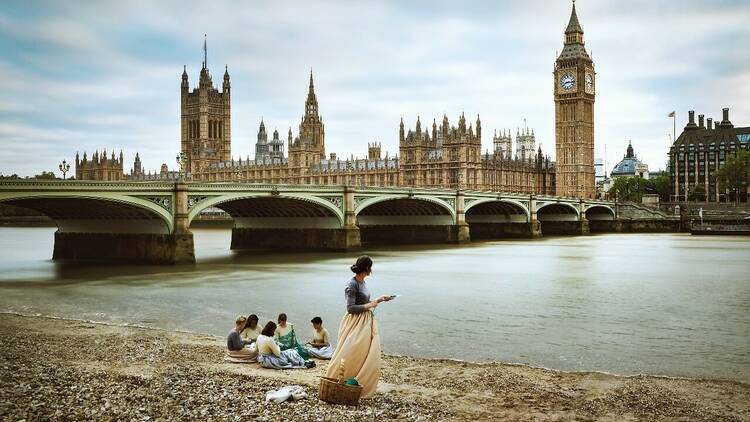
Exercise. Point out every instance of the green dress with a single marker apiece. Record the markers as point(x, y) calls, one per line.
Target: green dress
point(289, 341)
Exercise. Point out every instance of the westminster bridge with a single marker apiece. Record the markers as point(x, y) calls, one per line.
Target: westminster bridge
point(150, 221)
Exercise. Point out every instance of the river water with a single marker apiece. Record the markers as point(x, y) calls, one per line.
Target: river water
point(667, 304)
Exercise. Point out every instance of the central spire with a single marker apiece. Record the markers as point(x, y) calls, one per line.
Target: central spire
point(311, 104)
point(205, 52)
point(311, 90)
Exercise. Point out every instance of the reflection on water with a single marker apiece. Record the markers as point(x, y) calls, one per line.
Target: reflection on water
point(661, 304)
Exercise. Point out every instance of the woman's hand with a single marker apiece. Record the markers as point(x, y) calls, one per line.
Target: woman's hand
point(385, 298)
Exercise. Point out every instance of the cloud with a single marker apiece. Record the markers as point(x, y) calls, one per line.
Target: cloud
point(78, 75)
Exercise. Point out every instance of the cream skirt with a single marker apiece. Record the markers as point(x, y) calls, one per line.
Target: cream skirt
point(359, 345)
point(247, 354)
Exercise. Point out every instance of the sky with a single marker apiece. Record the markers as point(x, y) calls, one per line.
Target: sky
point(79, 76)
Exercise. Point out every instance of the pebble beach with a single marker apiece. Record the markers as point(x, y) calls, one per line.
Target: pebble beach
point(54, 369)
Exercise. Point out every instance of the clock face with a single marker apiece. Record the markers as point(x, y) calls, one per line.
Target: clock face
point(589, 83)
point(567, 81)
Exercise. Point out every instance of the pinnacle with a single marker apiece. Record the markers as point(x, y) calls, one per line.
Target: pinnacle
point(573, 24)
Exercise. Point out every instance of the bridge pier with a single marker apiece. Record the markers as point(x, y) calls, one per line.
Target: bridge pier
point(143, 248)
point(314, 239)
point(411, 234)
point(460, 232)
point(583, 227)
point(535, 227)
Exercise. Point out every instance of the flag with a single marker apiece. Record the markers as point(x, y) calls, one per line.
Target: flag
point(671, 114)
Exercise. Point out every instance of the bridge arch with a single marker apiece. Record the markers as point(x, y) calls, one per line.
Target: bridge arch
point(600, 213)
point(261, 210)
point(496, 211)
point(557, 211)
point(103, 212)
point(396, 210)
point(397, 219)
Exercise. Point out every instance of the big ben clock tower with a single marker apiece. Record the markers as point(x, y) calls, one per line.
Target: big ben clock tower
point(575, 87)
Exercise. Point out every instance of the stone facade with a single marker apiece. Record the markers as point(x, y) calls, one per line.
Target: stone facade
point(574, 115)
point(448, 156)
point(99, 167)
point(699, 152)
point(451, 157)
point(205, 121)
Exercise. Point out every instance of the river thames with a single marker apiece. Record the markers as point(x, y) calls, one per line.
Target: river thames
point(663, 304)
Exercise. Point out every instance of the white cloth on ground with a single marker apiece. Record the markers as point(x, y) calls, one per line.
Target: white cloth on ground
point(295, 392)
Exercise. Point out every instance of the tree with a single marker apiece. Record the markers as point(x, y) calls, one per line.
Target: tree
point(10, 177)
point(628, 188)
point(697, 192)
point(662, 185)
point(734, 175)
point(45, 175)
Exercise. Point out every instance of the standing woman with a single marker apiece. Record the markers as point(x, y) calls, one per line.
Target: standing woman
point(359, 343)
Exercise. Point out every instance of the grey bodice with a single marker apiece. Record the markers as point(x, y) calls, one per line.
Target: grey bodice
point(356, 295)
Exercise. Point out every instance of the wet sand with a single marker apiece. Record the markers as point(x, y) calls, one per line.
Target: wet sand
point(54, 369)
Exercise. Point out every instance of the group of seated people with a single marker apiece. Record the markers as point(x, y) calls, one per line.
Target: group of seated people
point(276, 346)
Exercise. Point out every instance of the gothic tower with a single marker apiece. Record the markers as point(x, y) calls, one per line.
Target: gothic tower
point(311, 130)
point(206, 136)
point(574, 115)
point(309, 147)
point(262, 153)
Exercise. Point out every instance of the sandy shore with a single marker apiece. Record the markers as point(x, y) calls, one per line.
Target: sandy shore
point(71, 370)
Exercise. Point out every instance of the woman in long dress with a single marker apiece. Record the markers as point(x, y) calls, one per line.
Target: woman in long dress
point(358, 342)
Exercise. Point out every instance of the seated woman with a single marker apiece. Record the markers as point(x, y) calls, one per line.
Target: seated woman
point(271, 356)
point(319, 347)
point(287, 338)
point(251, 331)
point(238, 350)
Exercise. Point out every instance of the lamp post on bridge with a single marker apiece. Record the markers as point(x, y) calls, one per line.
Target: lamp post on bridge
point(64, 168)
point(182, 162)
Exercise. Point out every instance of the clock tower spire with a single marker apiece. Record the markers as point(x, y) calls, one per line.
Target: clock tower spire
point(574, 115)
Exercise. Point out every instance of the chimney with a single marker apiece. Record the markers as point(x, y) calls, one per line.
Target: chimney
point(691, 120)
point(725, 119)
point(709, 123)
point(700, 121)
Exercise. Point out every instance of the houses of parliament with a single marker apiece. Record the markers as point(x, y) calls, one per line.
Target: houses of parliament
point(438, 154)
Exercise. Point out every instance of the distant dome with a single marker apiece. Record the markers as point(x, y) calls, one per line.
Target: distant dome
point(626, 167)
point(629, 165)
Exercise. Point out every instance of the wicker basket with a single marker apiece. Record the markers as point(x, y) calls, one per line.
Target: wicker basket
point(337, 392)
